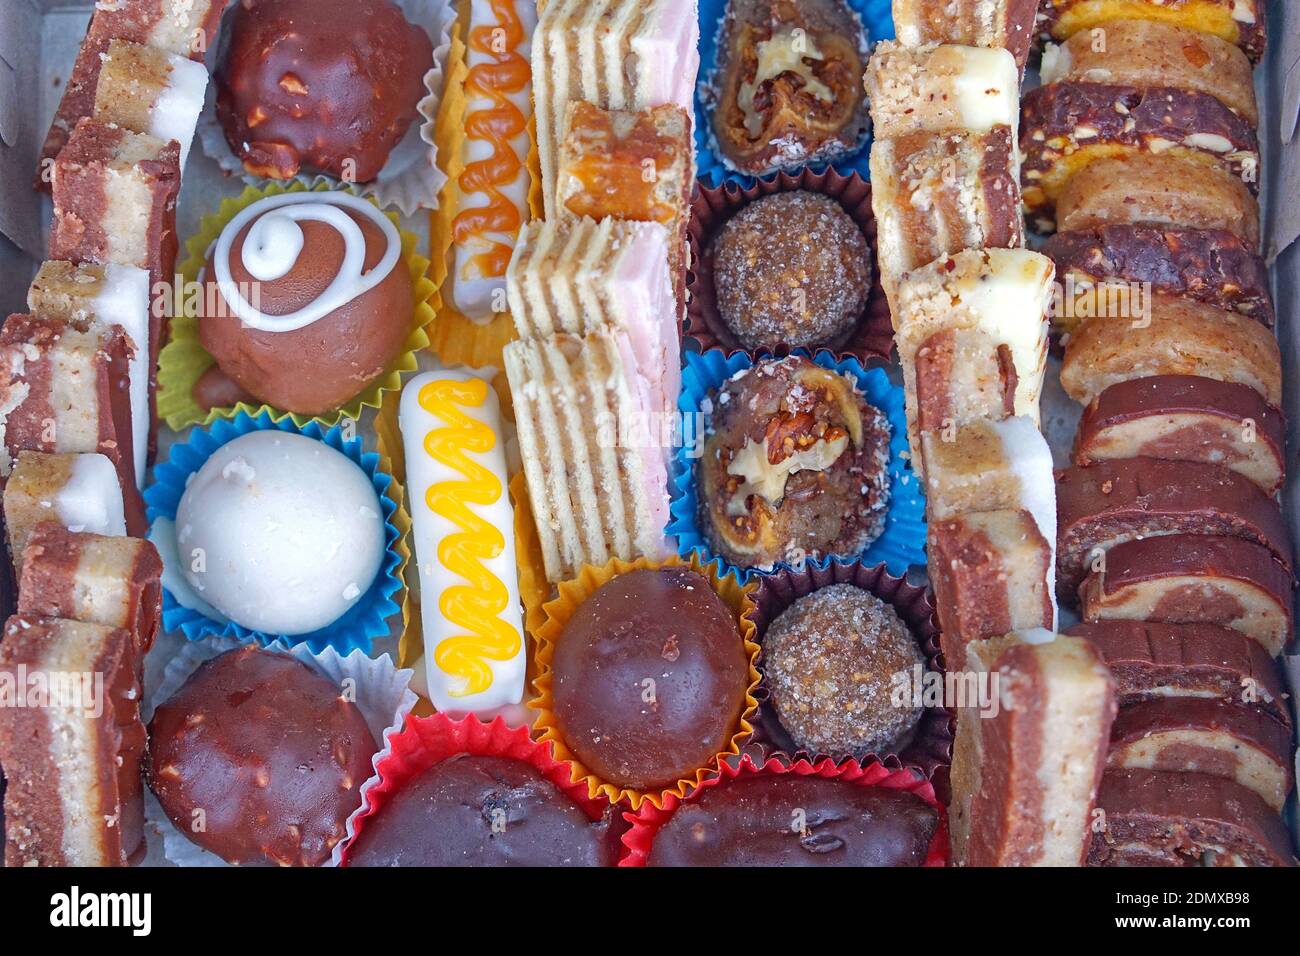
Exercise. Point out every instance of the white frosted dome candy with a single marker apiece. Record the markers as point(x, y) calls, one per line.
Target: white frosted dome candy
point(280, 533)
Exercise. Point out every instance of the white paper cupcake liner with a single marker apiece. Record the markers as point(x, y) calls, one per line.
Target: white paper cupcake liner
point(383, 695)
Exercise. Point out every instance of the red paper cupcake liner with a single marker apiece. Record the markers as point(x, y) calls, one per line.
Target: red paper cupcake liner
point(426, 741)
point(646, 822)
point(703, 327)
point(928, 749)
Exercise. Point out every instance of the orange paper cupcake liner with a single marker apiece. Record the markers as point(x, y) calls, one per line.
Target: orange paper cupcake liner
point(735, 595)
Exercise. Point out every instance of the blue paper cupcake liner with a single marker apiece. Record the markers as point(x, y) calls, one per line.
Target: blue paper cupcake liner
point(364, 622)
point(900, 545)
point(877, 19)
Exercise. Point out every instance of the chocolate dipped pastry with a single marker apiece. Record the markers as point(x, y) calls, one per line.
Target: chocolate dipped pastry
point(320, 86)
point(1008, 24)
point(308, 299)
point(1161, 818)
point(830, 661)
point(746, 821)
point(794, 466)
point(1243, 22)
point(268, 750)
point(483, 811)
point(791, 268)
point(649, 678)
point(787, 88)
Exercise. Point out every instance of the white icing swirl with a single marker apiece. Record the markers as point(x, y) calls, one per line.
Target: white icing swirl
point(275, 241)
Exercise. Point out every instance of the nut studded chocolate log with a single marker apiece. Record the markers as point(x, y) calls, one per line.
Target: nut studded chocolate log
point(1186, 418)
point(184, 29)
point(71, 745)
point(95, 579)
point(1008, 24)
point(992, 573)
point(1185, 819)
point(1191, 579)
point(1025, 775)
point(1112, 502)
point(1243, 22)
point(1066, 126)
point(1176, 336)
point(65, 390)
point(1213, 737)
point(1163, 189)
point(1210, 265)
point(1198, 661)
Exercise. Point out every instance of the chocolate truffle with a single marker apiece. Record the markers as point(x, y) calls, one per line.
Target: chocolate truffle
point(792, 820)
point(794, 466)
point(649, 679)
point(307, 300)
point(263, 752)
point(791, 268)
point(830, 661)
point(483, 811)
point(328, 86)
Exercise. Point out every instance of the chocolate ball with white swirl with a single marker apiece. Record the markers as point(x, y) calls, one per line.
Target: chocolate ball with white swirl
point(307, 300)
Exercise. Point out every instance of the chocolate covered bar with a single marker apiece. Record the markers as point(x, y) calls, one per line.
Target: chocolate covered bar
point(1111, 502)
point(1186, 418)
point(182, 29)
point(67, 390)
point(1008, 24)
point(1193, 579)
point(992, 573)
point(95, 579)
point(1243, 22)
point(1155, 818)
point(1024, 777)
point(72, 750)
point(1214, 737)
point(1160, 189)
point(939, 88)
point(81, 492)
point(1199, 661)
point(939, 194)
point(148, 90)
point(1175, 336)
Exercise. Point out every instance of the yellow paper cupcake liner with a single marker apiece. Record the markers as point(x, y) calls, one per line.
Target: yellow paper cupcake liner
point(737, 597)
point(184, 359)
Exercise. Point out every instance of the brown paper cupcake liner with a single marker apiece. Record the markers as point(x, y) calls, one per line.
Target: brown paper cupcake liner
point(928, 749)
point(704, 328)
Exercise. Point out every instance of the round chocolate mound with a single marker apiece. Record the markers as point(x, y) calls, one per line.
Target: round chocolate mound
point(792, 820)
point(483, 811)
point(649, 678)
point(830, 661)
point(319, 86)
point(791, 268)
point(794, 467)
point(259, 760)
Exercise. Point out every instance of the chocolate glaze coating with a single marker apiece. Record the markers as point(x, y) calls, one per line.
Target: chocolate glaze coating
point(751, 821)
point(270, 753)
point(483, 811)
point(320, 85)
point(649, 678)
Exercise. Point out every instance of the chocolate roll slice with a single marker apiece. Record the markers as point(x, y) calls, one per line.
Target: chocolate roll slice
point(1197, 661)
point(939, 88)
point(1112, 502)
point(1171, 336)
point(1065, 126)
point(1213, 266)
point(963, 375)
point(1241, 744)
point(1159, 189)
point(74, 795)
point(1157, 818)
point(1243, 22)
point(1186, 418)
point(1193, 579)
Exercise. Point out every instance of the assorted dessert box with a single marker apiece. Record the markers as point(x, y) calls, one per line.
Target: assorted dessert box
point(614, 433)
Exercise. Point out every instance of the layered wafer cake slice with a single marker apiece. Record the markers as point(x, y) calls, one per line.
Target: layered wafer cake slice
point(63, 389)
point(1008, 24)
point(1025, 773)
point(939, 88)
point(1243, 22)
point(180, 29)
point(72, 752)
point(81, 492)
point(147, 90)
